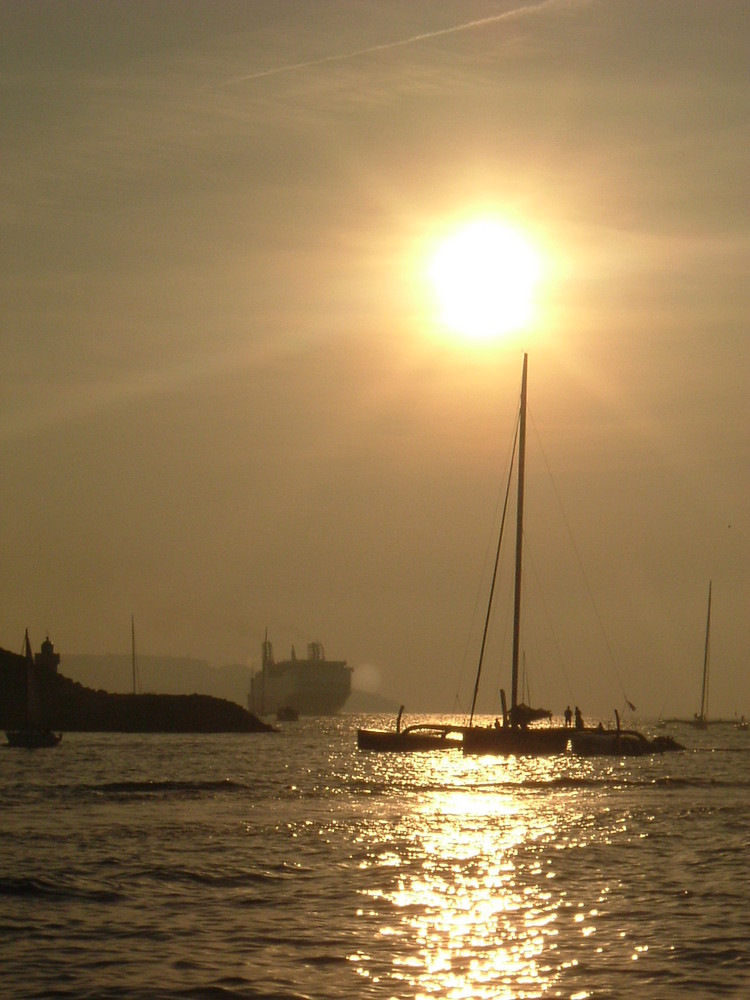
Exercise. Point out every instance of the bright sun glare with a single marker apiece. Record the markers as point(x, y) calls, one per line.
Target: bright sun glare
point(484, 275)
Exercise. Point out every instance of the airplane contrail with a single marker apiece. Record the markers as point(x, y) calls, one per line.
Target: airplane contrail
point(384, 46)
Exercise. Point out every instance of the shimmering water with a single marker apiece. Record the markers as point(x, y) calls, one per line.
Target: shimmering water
point(296, 866)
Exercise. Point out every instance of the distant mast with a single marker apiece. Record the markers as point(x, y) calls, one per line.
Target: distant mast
point(519, 548)
point(704, 689)
point(267, 658)
point(132, 648)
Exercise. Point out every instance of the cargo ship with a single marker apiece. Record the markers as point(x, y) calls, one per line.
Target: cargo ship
point(311, 686)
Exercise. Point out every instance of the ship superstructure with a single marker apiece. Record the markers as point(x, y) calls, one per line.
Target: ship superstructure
point(312, 686)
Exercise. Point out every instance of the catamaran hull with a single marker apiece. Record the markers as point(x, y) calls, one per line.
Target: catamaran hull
point(625, 743)
point(385, 741)
point(609, 744)
point(506, 741)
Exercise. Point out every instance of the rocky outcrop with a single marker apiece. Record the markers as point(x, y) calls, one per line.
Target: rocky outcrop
point(66, 705)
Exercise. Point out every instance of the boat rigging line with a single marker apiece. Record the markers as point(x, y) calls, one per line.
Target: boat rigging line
point(494, 573)
point(589, 591)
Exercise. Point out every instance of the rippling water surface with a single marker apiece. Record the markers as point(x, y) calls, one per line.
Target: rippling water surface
point(296, 866)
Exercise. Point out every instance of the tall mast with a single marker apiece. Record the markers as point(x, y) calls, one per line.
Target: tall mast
point(519, 546)
point(704, 691)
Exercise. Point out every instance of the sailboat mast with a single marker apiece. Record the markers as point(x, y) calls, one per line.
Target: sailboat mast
point(31, 706)
point(132, 648)
point(704, 691)
point(519, 546)
point(267, 658)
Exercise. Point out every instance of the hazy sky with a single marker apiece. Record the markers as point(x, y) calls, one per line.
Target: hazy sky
point(228, 402)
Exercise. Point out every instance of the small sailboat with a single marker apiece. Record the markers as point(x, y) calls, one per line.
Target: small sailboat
point(32, 735)
point(700, 719)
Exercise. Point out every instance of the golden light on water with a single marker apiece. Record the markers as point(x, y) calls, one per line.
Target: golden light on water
point(485, 896)
point(472, 898)
point(484, 276)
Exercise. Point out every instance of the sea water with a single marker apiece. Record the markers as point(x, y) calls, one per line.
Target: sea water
point(292, 865)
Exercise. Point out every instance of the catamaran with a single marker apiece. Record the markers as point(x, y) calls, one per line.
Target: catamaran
point(521, 731)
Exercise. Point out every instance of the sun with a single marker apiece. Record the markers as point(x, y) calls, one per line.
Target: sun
point(484, 275)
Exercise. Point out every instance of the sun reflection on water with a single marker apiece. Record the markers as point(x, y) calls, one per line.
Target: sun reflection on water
point(472, 897)
point(490, 877)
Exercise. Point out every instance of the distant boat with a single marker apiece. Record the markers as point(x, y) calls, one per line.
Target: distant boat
point(32, 739)
point(32, 735)
point(287, 714)
point(700, 719)
point(313, 686)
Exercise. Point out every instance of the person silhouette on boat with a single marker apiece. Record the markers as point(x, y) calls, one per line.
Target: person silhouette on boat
point(568, 717)
point(579, 718)
point(398, 718)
